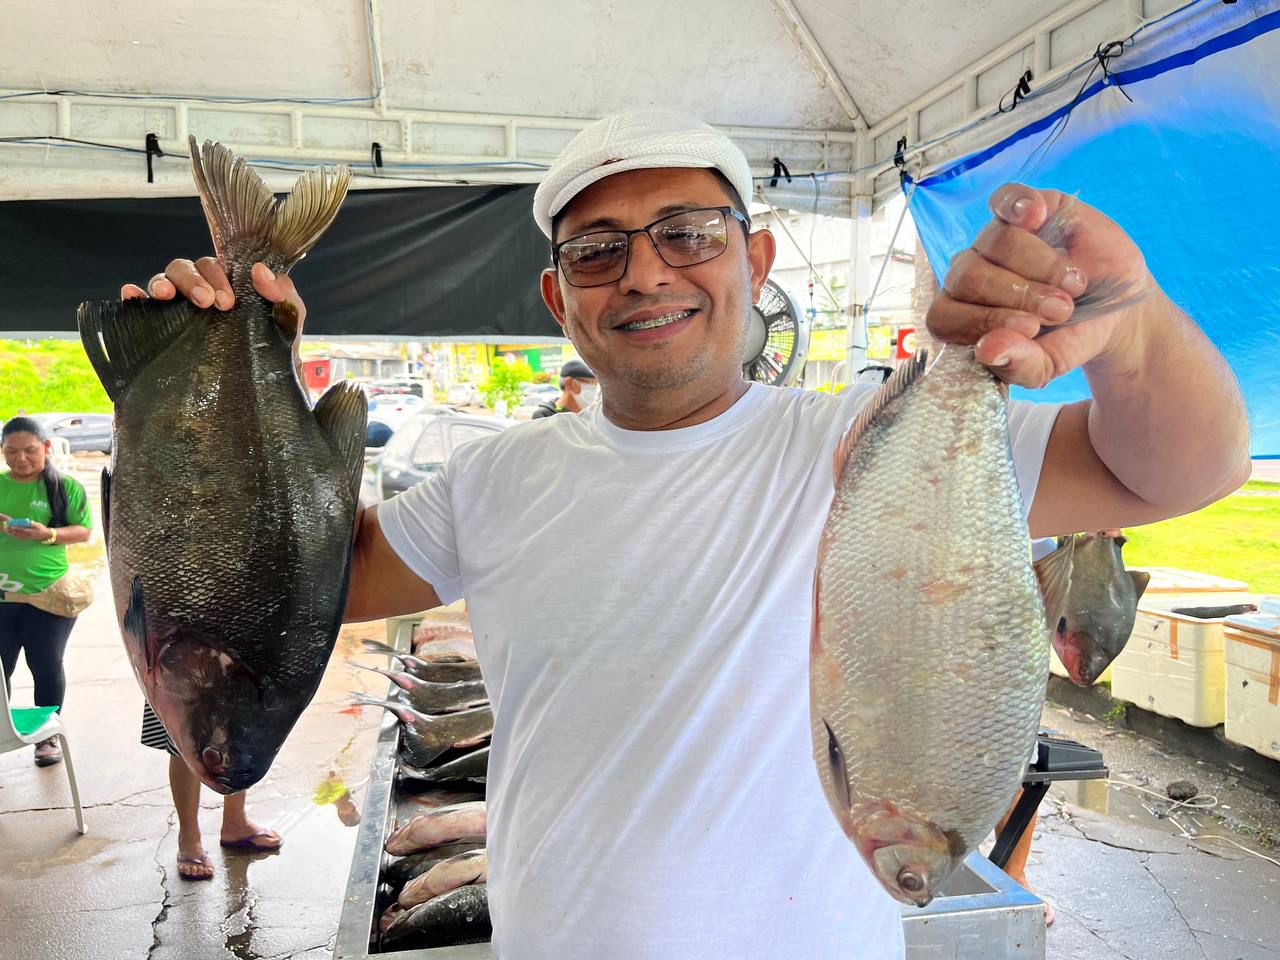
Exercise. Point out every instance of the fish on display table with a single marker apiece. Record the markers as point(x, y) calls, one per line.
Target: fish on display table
point(428, 697)
point(462, 821)
point(436, 671)
point(229, 505)
point(459, 916)
point(458, 871)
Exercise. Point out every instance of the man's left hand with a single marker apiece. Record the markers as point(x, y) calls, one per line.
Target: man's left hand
point(1011, 286)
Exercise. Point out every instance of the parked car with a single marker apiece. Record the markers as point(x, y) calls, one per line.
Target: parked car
point(427, 439)
point(463, 395)
point(535, 394)
point(387, 413)
point(82, 431)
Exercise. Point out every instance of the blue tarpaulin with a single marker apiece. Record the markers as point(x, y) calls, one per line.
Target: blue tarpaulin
point(1189, 167)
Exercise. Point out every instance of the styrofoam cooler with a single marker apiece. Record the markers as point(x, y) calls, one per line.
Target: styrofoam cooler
point(1173, 664)
point(1186, 587)
point(1251, 649)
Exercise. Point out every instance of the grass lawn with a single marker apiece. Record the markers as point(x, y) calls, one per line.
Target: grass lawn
point(1237, 538)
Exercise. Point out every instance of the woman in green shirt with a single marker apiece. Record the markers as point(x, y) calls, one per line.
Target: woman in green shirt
point(41, 512)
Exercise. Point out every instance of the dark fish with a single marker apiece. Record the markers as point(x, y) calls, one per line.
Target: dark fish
point(459, 916)
point(400, 870)
point(229, 505)
point(428, 697)
point(426, 736)
point(469, 766)
point(1102, 604)
point(436, 671)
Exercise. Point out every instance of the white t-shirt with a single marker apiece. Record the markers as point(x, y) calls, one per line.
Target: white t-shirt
point(641, 604)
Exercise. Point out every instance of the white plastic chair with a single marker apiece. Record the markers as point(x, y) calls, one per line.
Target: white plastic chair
point(61, 450)
point(11, 739)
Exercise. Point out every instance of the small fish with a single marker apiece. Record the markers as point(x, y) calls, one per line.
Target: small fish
point(449, 874)
point(1101, 606)
point(428, 697)
point(400, 870)
point(1215, 613)
point(459, 916)
point(461, 821)
point(436, 671)
point(435, 733)
point(469, 766)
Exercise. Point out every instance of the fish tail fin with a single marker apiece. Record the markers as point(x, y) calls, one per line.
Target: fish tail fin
point(385, 673)
point(897, 384)
point(377, 646)
point(246, 222)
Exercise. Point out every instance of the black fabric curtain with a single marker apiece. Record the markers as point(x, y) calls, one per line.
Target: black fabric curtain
point(415, 264)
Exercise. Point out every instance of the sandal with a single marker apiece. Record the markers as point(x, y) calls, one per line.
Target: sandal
point(264, 841)
point(200, 861)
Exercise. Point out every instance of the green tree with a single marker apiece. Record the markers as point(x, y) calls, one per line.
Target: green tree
point(504, 382)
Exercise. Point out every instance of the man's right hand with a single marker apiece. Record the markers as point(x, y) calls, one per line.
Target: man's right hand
point(205, 284)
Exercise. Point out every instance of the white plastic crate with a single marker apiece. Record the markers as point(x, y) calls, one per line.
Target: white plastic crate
point(1251, 648)
point(1186, 588)
point(1173, 664)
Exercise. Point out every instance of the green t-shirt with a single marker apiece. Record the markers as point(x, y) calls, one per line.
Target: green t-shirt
point(29, 566)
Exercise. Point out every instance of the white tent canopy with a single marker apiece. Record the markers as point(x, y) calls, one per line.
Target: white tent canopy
point(486, 90)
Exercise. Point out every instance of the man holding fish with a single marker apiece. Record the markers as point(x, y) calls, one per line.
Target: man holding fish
point(652, 788)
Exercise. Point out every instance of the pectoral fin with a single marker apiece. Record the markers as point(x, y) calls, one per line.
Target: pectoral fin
point(122, 336)
point(839, 769)
point(1140, 580)
point(1054, 574)
point(342, 413)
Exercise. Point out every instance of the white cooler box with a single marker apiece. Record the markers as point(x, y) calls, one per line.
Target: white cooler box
point(1173, 664)
point(1251, 647)
point(1187, 588)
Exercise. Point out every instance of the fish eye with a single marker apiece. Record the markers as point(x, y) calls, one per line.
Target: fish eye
point(909, 881)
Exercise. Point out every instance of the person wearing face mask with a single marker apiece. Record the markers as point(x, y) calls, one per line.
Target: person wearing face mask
point(578, 390)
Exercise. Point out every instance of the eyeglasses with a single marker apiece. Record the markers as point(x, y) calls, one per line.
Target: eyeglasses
point(681, 240)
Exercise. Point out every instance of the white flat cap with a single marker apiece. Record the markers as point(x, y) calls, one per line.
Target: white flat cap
point(639, 140)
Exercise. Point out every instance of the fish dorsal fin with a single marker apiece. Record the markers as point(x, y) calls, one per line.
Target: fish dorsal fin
point(1140, 580)
point(898, 383)
point(342, 413)
point(121, 337)
point(244, 218)
point(1054, 574)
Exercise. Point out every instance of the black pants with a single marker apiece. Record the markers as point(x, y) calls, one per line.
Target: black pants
point(44, 638)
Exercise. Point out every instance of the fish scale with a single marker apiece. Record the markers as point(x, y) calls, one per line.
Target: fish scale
point(929, 655)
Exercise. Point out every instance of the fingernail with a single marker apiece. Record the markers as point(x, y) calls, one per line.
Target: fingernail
point(1074, 282)
point(1055, 309)
point(202, 295)
point(1000, 361)
point(1021, 207)
point(222, 299)
point(267, 270)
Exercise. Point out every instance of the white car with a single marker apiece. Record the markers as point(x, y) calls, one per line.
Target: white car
point(387, 413)
point(535, 394)
point(463, 395)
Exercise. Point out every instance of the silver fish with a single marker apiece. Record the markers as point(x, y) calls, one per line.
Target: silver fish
point(930, 645)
